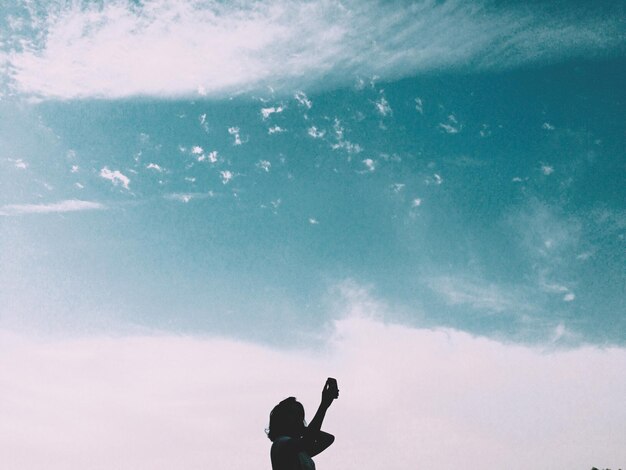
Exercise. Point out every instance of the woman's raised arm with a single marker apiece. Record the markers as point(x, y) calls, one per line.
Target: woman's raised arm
point(314, 439)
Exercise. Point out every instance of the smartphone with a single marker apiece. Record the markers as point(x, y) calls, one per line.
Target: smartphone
point(331, 383)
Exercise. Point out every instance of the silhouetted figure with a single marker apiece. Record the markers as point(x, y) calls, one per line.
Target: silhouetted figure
point(294, 443)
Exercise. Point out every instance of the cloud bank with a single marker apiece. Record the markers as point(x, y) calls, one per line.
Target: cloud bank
point(170, 48)
point(409, 397)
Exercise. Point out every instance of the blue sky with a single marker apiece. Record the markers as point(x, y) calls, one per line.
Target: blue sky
point(263, 172)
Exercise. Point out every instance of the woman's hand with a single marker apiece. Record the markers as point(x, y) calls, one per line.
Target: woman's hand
point(330, 392)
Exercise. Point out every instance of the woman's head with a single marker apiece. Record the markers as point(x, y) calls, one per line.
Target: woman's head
point(286, 419)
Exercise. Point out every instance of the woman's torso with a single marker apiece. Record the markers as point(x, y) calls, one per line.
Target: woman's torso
point(284, 457)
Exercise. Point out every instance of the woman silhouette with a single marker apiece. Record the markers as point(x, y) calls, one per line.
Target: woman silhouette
point(294, 443)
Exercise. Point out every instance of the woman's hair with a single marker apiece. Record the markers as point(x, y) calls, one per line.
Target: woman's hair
point(285, 418)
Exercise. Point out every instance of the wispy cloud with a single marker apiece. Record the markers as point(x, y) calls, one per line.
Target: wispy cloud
point(479, 294)
point(419, 105)
point(545, 230)
point(301, 97)
point(186, 197)
point(174, 48)
point(551, 239)
point(69, 205)
point(451, 126)
point(383, 107)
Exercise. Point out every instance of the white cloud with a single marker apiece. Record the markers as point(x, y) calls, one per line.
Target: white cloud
point(555, 288)
point(448, 128)
point(347, 146)
point(264, 165)
point(155, 167)
point(174, 48)
point(416, 202)
point(186, 197)
point(19, 163)
point(484, 131)
point(169, 401)
point(69, 205)
point(267, 112)
point(369, 164)
point(182, 197)
point(203, 122)
point(212, 156)
point(382, 106)
point(315, 132)
point(313, 221)
point(116, 177)
point(419, 105)
point(452, 126)
point(435, 179)
point(547, 170)
point(301, 97)
point(275, 130)
point(342, 143)
point(338, 128)
point(226, 176)
point(234, 131)
point(479, 294)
